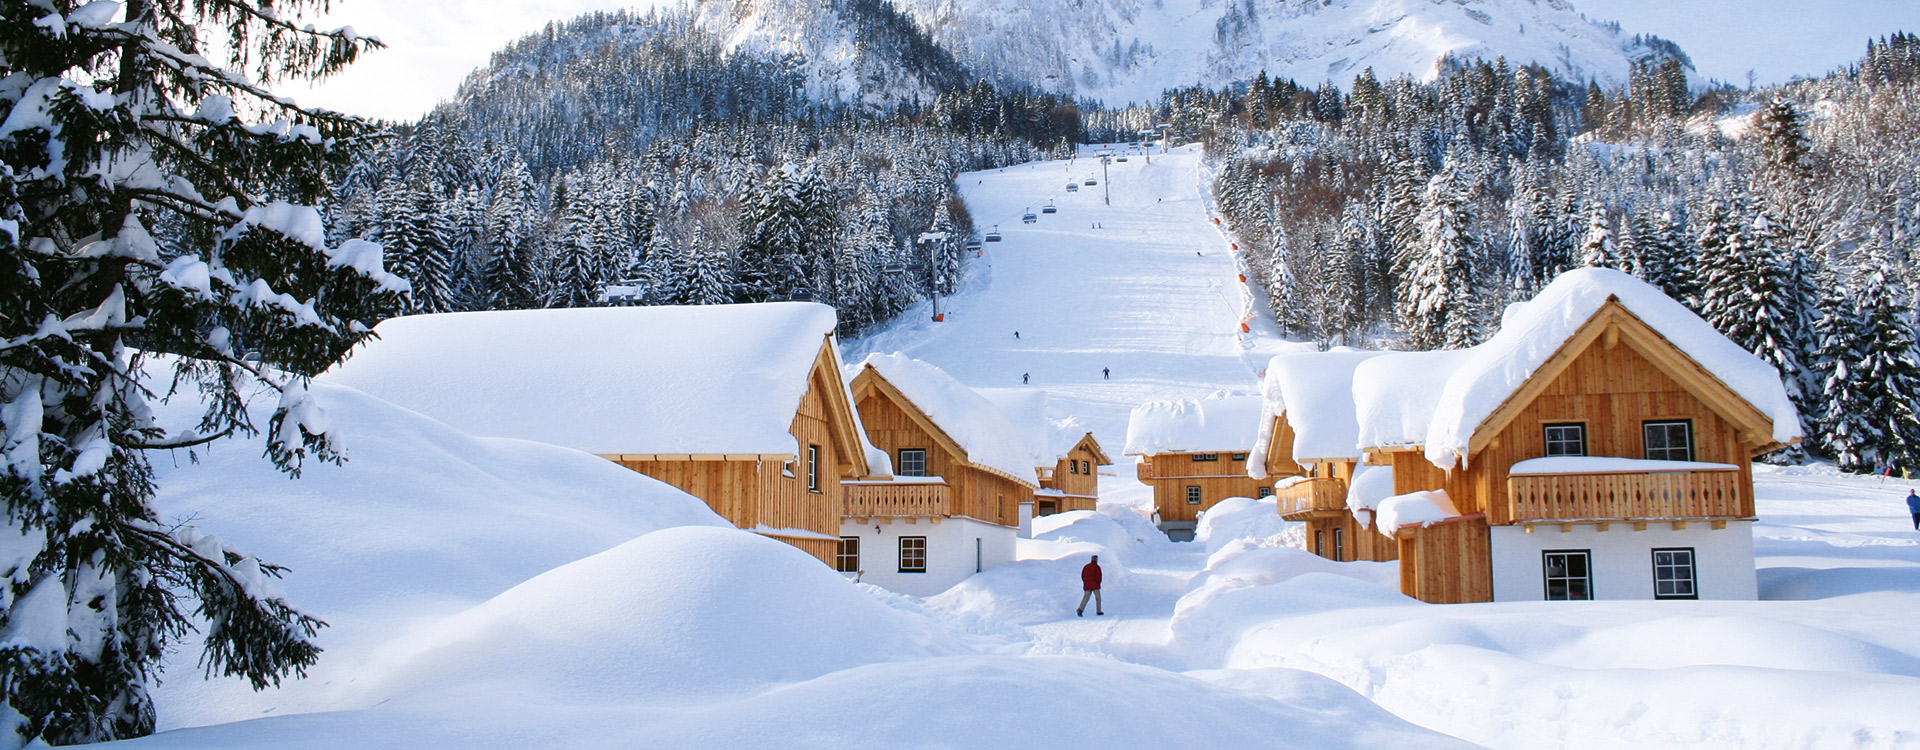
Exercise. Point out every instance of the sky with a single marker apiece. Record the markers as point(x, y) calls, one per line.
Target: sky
point(434, 44)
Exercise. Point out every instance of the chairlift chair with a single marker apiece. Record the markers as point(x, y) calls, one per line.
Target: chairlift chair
point(1121, 159)
point(1049, 209)
point(1091, 181)
point(994, 236)
point(1073, 187)
point(1029, 218)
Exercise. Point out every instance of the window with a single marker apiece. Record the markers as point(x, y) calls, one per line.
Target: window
point(1669, 441)
point(1266, 492)
point(846, 559)
point(1567, 439)
point(1239, 456)
point(913, 462)
point(813, 469)
point(1073, 467)
point(1086, 468)
point(1320, 542)
point(1201, 458)
point(913, 554)
point(1569, 576)
point(1193, 494)
point(1673, 574)
point(1339, 545)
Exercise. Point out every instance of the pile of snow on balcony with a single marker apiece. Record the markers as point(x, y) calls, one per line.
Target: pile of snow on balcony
point(1423, 509)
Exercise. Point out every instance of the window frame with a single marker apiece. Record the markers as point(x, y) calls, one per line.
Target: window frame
point(1692, 567)
point(921, 554)
point(1548, 442)
point(1073, 467)
point(1264, 492)
point(1646, 438)
point(1238, 456)
point(900, 462)
point(813, 469)
point(1586, 578)
point(1339, 544)
point(1205, 458)
point(1194, 495)
point(844, 560)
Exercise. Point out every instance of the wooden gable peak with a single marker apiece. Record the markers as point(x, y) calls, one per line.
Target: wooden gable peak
point(842, 424)
point(1613, 324)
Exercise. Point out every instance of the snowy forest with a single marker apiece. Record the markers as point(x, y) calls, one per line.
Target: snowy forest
point(577, 169)
point(625, 159)
point(1408, 215)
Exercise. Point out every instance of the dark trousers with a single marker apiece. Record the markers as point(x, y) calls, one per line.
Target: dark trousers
point(1916, 522)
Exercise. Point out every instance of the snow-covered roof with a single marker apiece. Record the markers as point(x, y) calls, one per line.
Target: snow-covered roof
point(974, 423)
point(1608, 465)
point(1026, 410)
point(1532, 331)
point(1394, 395)
point(1314, 391)
point(1066, 432)
point(721, 379)
point(1208, 425)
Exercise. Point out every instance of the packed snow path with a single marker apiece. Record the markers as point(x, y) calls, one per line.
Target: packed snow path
point(1146, 287)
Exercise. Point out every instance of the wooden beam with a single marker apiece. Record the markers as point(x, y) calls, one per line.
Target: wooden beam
point(1639, 525)
point(1566, 528)
point(1679, 525)
point(1718, 523)
point(1603, 526)
point(1528, 527)
point(1611, 338)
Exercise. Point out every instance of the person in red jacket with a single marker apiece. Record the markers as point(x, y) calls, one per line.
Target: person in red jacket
point(1090, 586)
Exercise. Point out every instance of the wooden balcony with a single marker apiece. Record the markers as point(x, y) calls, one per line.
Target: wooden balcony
point(1308, 499)
point(882, 499)
point(1628, 496)
point(1144, 471)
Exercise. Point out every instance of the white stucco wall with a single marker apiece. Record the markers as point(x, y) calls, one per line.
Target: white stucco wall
point(951, 551)
point(1622, 559)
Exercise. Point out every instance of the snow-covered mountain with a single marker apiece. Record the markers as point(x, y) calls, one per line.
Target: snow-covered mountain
point(1131, 50)
point(861, 51)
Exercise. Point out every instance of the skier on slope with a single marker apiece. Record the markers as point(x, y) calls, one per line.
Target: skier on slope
point(1913, 506)
point(1024, 376)
point(1090, 587)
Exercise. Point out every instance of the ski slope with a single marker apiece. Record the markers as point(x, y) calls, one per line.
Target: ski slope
point(1146, 287)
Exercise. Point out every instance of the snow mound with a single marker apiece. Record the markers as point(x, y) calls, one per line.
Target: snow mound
point(1238, 518)
point(678, 614)
point(1371, 485)
point(1240, 594)
point(1423, 509)
point(1212, 424)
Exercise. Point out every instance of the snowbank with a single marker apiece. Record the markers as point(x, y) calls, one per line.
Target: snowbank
point(1532, 331)
point(1414, 508)
point(975, 423)
point(649, 380)
point(1238, 518)
point(1314, 392)
point(421, 521)
point(679, 614)
point(1214, 424)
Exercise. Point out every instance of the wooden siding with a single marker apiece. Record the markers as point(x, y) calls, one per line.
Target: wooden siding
point(753, 493)
point(1171, 473)
point(1068, 480)
point(975, 493)
point(1279, 458)
point(1359, 542)
point(1627, 496)
point(1612, 390)
point(1449, 562)
point(867, 500)
point(1320, 497)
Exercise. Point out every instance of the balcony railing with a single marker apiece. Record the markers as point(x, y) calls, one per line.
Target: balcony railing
point(1318, 497)
point(867, 499)
point(1698, 493)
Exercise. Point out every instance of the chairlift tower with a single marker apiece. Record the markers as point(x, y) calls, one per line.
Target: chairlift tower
point(1106, 183)
point(933, 267)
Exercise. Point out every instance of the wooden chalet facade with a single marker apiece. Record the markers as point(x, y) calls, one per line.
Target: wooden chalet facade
point(1619, 467)
point(794, 498)
point(742, 406)
point(1312, 475)
point(1195, 454)
point(1073, 482)
point(946, 513)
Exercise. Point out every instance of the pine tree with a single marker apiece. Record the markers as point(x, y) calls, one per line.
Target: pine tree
point(1436, 301)
point(132, 233)
point(1872, 377)
point(774, 262)
point(1598, 248)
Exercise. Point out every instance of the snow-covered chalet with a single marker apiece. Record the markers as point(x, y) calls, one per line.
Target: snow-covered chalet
point(961, 472)
point(1598, 446)
point(1194, 454)
point(1308, 447)
point(742, 406)
point(1070, 457)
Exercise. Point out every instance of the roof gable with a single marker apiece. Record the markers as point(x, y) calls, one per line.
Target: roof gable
point(961, 421)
